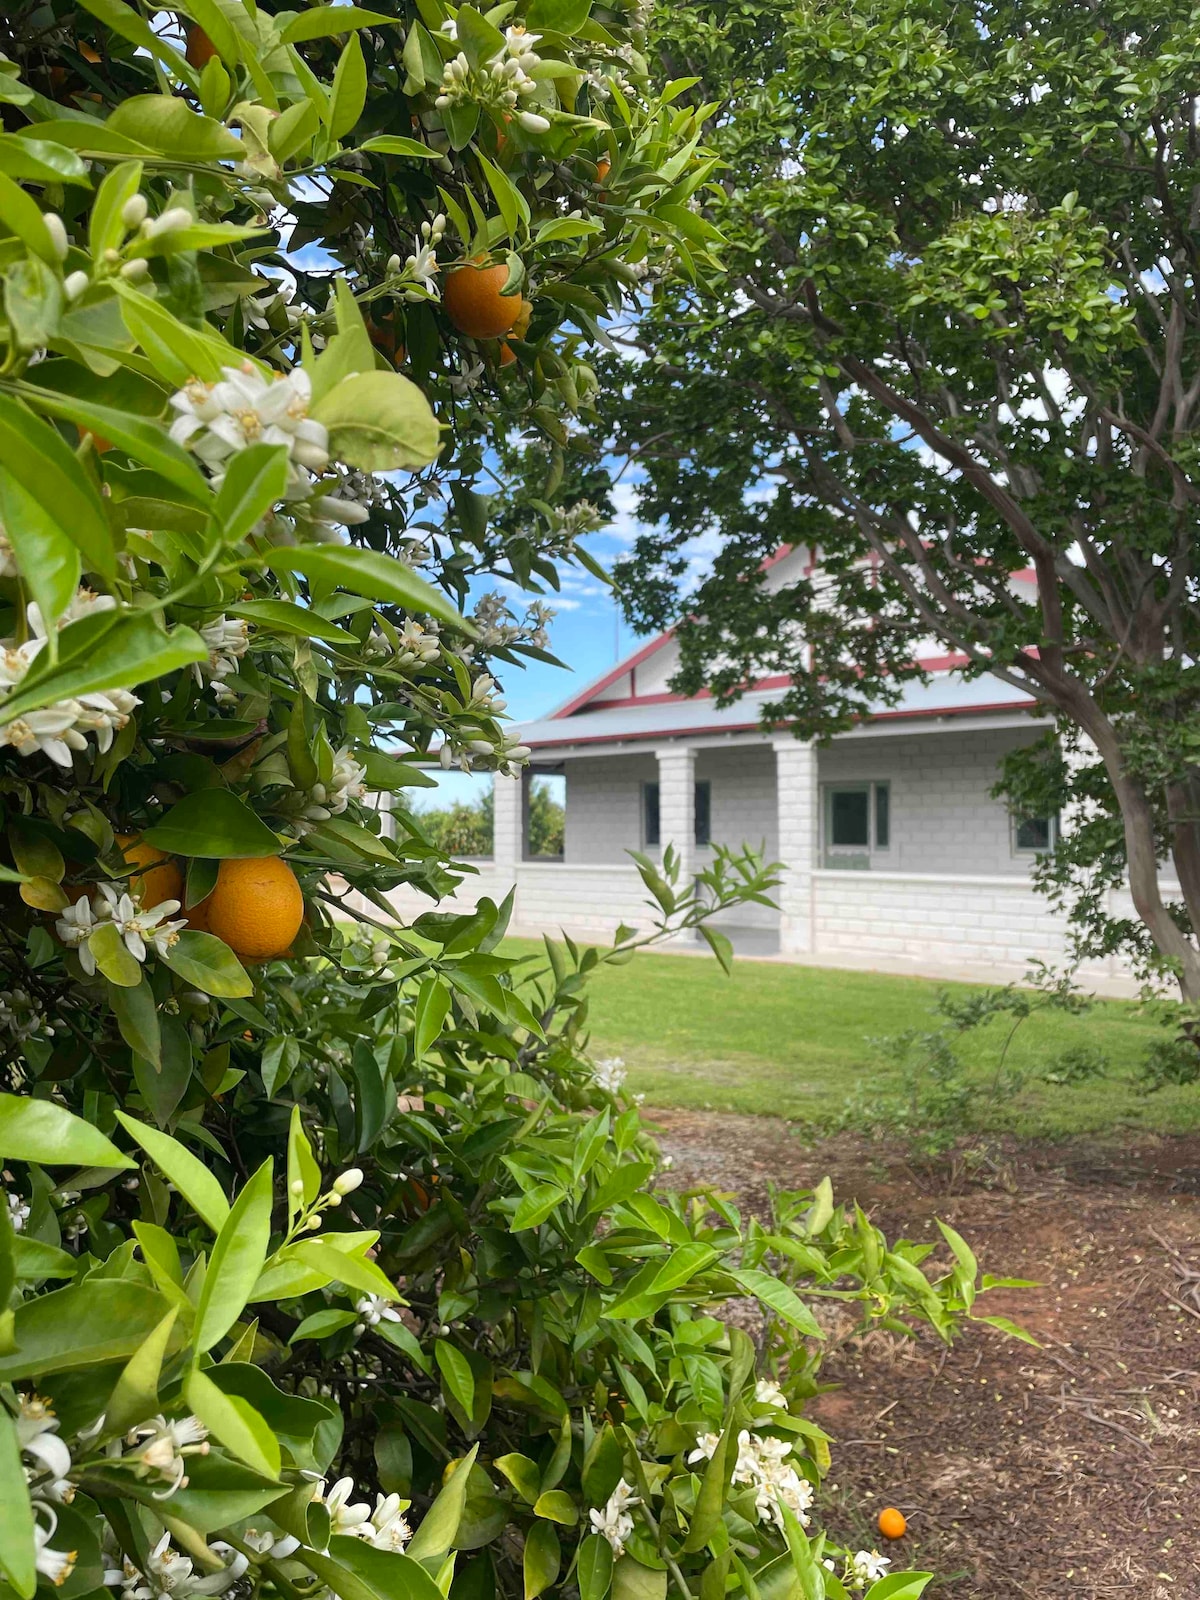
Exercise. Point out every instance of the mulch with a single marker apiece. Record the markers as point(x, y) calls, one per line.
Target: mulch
point(1025, 1474)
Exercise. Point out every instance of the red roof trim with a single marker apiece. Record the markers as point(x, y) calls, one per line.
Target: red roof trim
point(659, 734)
point(593, 689)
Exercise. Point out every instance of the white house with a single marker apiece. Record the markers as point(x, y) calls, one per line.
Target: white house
point(895, 854)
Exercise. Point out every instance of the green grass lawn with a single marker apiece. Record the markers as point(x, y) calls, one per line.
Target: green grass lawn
point(795, 1041)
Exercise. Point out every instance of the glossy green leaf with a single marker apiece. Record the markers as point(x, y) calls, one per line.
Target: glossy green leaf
point(135, 1396)
point(438, 1528)
point(368, 573)
point(255, 482)
point(39, 1130)
point(542, 1559)
point(213, 823)
point(349, 90)
point(47, 555)
point(137, 1018)
point(145, 441)
point(236, 1261)
point(781, 1299)
point(190, 1176)
point(41, 161)
point(380, 422)
point(168, 125)
point(107, 650)
point(84, 1325)
point(595, 1567)
point(282, 617)
point(17, 1551)
point(394, 144)
point(36, 455)
point(355, 1570)
point(354, 1271)
point(234, 1423)
point(208, 964)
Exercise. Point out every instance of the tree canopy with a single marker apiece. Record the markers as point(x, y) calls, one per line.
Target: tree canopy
point(955, 336)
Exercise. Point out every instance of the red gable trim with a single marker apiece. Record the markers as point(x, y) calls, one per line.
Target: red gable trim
point(659, 735)
point(586, 696)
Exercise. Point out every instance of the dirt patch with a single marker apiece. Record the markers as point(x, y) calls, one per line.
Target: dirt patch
point(1026, 1474)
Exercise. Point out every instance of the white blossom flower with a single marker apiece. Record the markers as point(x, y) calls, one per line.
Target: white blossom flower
point(610, 1074)
point(388, 1528)
point(57, 1565)
point(276, 1546)
point(37, 1435)
point(245, 408)
point(706, 1448)
point(868, 1566)
point(172, 1576)
point(137, 926)
point(613, 1521)
point(762, 1464)
point(162, 1446)
point(228, 639)
point(50, 731)
point(373, 1309)
point(18, 1211)
point(417, 645)
point(75, 927)
point(768, 1393)
point(345, 1516)
point(423, 262)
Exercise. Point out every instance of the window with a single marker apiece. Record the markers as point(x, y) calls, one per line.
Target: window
point(858, 821)
point(703, 807)
point(1034, 835)
point(702, 814)
point(650, 830)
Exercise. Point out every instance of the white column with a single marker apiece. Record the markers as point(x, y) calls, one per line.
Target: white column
point(797, 801)
point(508, 827)
point(677, 806)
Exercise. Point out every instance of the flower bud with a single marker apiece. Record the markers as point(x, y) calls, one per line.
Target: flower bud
point(532, 123)
point(394, 263)
point(56, 228)
point(74, 284)
point(136, 269)
point(296, 1188)
point(313, 1224)
point(133, 212)
point(348, 1181)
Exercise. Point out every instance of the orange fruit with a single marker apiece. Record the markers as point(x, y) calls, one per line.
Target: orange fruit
point(507, 354)
point(256, 907)
point(200, 48)
point(892, 1523)
point(474, 304)
point(162, 877)
point(603, 168)
point(90, 53)
point(197, 915)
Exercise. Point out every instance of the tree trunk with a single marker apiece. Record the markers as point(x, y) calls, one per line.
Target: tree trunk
point(1142, 857)
point(1183, 808)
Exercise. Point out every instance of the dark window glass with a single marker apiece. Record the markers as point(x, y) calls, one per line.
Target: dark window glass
point(850, 818)
point(883, 816)
point(1034, 833)
point(704, 813)
point(650, 833)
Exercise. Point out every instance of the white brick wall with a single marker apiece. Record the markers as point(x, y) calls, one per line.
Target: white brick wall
point(604, 806)
point(942, 816)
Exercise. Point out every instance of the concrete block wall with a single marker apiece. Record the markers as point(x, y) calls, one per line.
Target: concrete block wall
point(943, 818)
point(604, 806)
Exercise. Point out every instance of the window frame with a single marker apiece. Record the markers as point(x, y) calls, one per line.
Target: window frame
point(1053, 832)
point(651, 838)
point(871, 787)
point(704, 784)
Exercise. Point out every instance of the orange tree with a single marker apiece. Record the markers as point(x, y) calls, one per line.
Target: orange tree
point(328, 1262)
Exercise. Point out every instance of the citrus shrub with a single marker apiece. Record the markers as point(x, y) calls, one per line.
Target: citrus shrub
point(330, 1263)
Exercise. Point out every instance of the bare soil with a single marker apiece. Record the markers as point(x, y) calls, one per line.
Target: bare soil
point(1025, 1474)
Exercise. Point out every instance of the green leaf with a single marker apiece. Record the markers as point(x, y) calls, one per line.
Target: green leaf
point(84, 1325)
point(177, 351)
point(43, 161)
point(349, 90)
point(190, 1176)
point(147, 442)
point(107, 650)
point(394, 144)
point(137, 1018)
point(1013, 1329)
point(37, 456)
point(782, 1300)
point(115, 961)
point(46, 554)
point(556, 1505)
point(354, 1271)
point(595, 1567)
point(542, 1559)
point(281, 616)
point(355, 1570)
point(710, 1502)
point(213, 823)
point(720, 946)
point(379, 421)
point(478, 39)
point(322, 1323)
point(127, 22)
point(107, 228)
point(167, 124)
point(135, 1396)
point(365, 572)
point(899, 1586)
point(322, 21)
point(219, 28)
point(429, 1014)
point(522, 1473)
point(34, 1261)
point(38, 1130)
point(457, 1376)
point(439, 1526)
point(17, 1550)
point(236, 1261)
point(255, 481)
point(22, 215)
point(208, 964)
point(557, 16)
point(33, 300)
point(301, 1165)
point(633, 1581)
point(234, 1422)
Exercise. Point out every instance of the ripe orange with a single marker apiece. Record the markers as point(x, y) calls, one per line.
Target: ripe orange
point(163, 877)
point(474, 304)
point(256, 907)
point(90, 53)
point(200, 48)
point(892, 1523)
point(507, 354)
point(197, 915)
point(603, 168)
